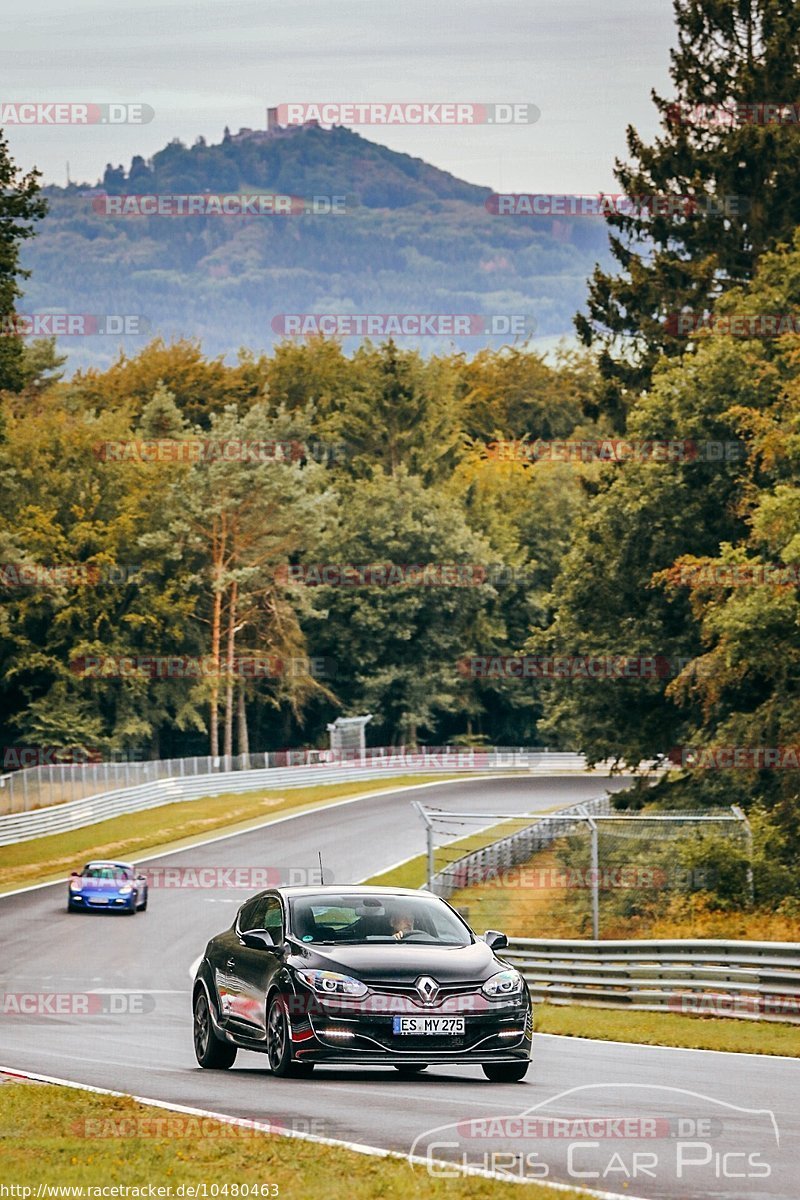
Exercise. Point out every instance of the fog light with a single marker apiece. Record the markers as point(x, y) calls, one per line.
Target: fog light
point(341, 1033)
point(511, 1033)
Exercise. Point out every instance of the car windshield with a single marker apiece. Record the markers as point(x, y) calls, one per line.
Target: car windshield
point(107, 874)
point(390, 920)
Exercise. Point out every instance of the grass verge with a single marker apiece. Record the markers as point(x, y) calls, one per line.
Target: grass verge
point(49, 858)
point(737, 1035)
point(65, 1137)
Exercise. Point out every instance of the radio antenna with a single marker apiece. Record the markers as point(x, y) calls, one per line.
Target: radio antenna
point(321, 876)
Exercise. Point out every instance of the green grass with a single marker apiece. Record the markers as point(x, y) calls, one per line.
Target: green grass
point(46, 1140)
point(52, 857)
point(735, 1034)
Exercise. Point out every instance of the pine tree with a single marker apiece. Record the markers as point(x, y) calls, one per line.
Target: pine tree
point(728, 156)
point(20, 204)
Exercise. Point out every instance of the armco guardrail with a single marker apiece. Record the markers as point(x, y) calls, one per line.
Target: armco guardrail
point(59, 782)
point(759, 980)
point(61, 818)
point(514, 849)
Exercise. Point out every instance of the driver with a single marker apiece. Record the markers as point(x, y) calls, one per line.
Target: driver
point(402, 924)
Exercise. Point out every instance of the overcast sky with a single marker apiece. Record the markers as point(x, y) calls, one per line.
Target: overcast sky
point(588, 66)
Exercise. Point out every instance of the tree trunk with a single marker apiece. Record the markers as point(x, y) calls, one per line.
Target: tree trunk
point(229, 665)
point(217, 564)
point(242, 736)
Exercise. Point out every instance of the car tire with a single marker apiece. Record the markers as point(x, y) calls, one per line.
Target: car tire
point(506, 1072)
point(143, 907)
point(410, 1069)
point(131, 909)
point(279, 1042)
point(210, 1052)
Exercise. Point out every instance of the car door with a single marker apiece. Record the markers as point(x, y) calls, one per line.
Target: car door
point(256, 966)
point(227, 962)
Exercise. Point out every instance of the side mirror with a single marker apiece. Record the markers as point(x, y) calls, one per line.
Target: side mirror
point(495, 940)
point(74, 875)
point(259, 939)
point(141, 879)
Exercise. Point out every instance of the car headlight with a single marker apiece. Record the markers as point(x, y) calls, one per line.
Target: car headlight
point(125, 890)
point(504, 983)
point(329, 983)
point(75, 885)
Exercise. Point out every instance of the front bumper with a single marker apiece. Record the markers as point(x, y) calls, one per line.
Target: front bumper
point(347, 1032)
point(100, 903)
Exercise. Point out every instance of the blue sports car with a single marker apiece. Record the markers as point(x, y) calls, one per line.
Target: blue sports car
point(107, 885)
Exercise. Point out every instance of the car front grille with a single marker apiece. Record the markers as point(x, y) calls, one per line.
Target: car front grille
point(391, 987)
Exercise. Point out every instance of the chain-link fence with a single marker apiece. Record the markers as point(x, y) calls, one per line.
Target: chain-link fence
point(59, 782)
point(574, 872)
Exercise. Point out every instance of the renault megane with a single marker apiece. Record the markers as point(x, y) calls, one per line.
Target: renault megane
point(359, 975)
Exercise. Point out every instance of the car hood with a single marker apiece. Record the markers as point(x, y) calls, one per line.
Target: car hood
point(403, 962)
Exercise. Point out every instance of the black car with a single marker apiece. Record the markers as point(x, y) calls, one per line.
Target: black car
point(359, 975)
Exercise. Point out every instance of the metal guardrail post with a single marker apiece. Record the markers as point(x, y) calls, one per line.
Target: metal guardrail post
point(748, 834)
point(595, 870)
point(420, 807)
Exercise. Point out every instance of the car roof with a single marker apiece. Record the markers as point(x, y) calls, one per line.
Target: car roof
point(358, 889)
point(105, 862)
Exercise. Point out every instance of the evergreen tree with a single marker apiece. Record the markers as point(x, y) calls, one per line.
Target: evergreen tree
point(727, 156)
point(20, 204)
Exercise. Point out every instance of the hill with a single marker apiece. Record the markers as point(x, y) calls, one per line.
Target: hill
point(411, 238)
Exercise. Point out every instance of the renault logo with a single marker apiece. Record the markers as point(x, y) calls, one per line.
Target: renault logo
point(428, 989)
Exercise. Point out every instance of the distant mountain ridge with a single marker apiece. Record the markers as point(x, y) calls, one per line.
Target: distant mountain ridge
point(300, 160)
point(413, 239)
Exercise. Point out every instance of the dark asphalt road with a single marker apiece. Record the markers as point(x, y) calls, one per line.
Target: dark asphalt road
point(725, 1147)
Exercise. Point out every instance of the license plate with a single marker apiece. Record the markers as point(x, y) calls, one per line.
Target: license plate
point(441, 1026)
point(99, 900)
